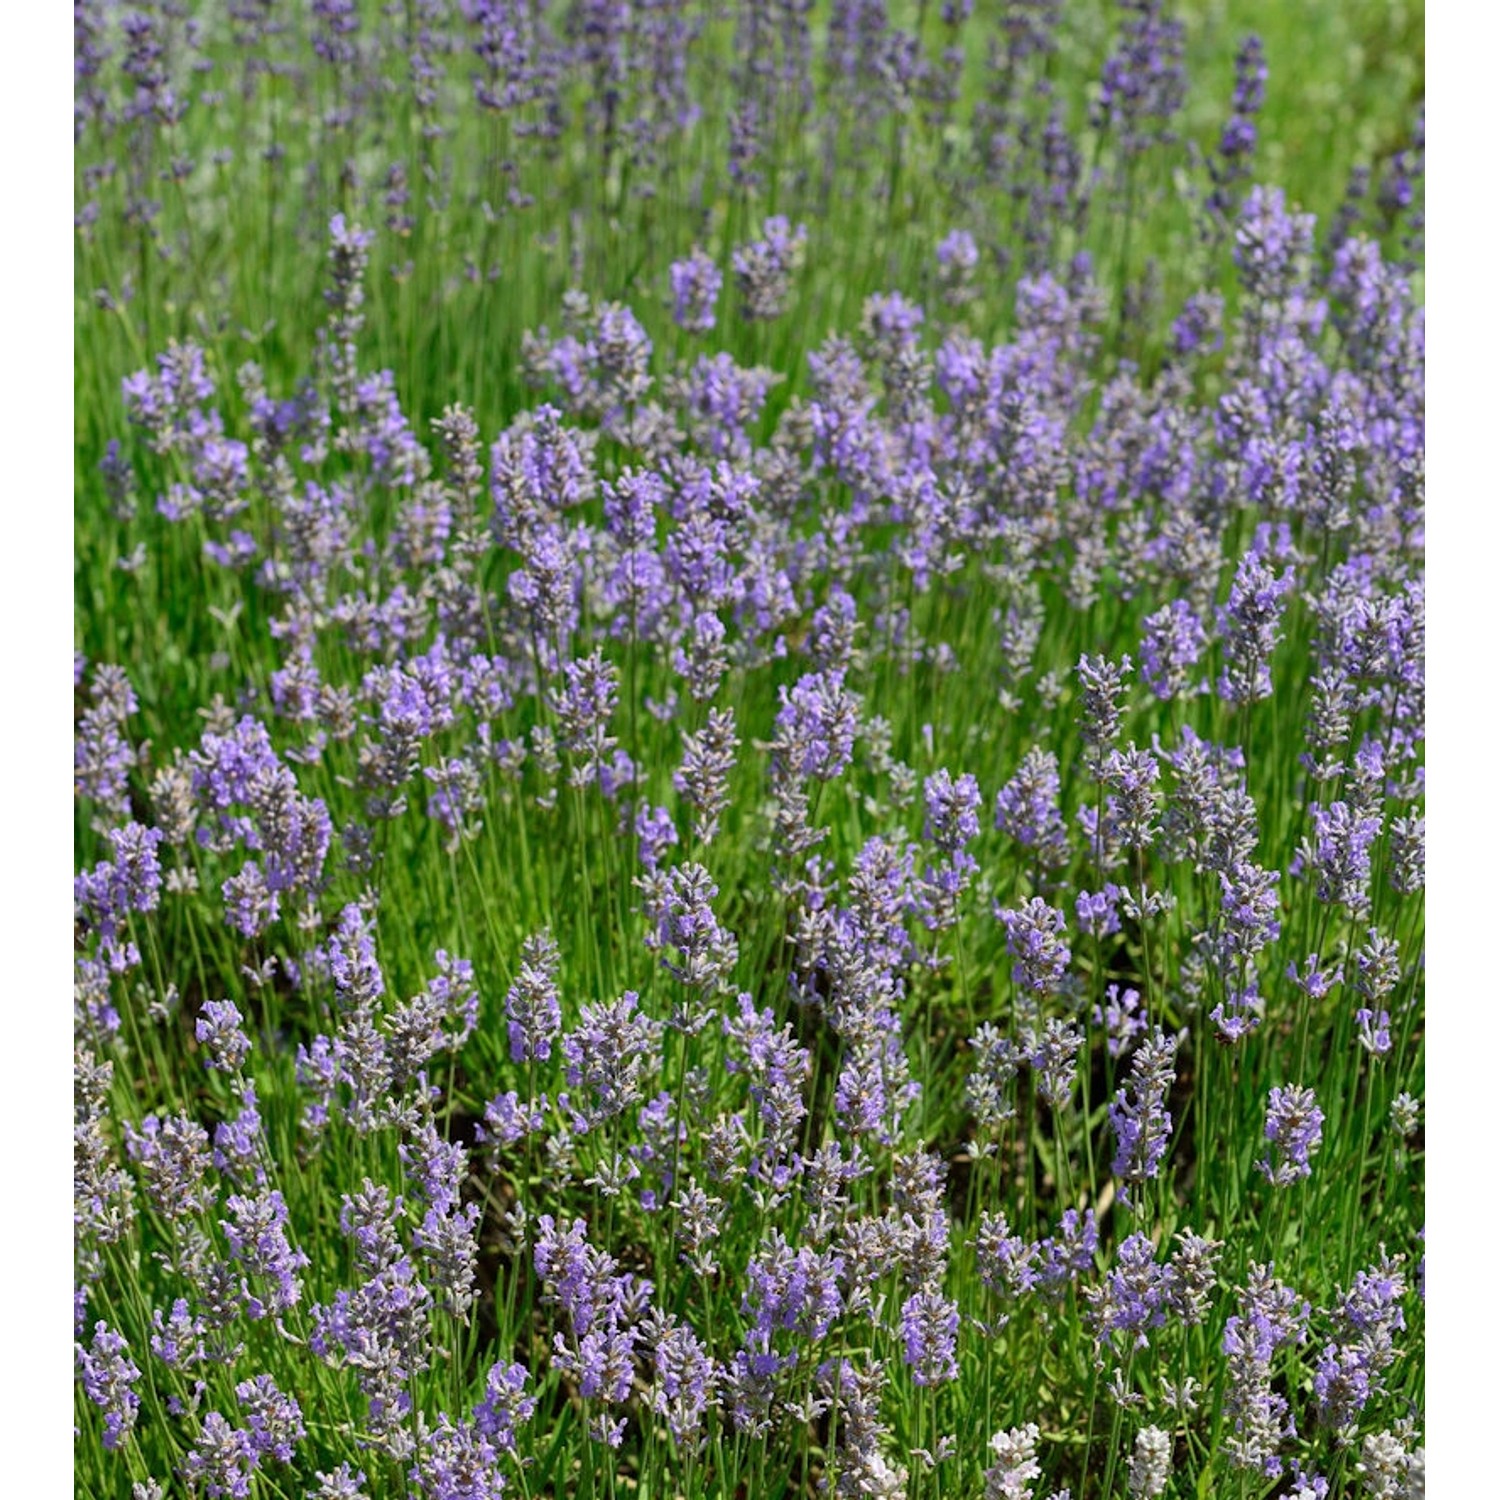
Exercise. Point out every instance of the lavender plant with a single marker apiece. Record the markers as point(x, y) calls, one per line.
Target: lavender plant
point(749, 756)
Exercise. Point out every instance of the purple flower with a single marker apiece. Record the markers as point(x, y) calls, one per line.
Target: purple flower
point(418, 1029)
point(106, 895)
point(102, 1211)
point(370, 1218)
point(178, 1339)
point(348, 259)
point(929, 1335)
point(698, 950)
point(1408, 854)
point(1135, 1295)
point(1068, 1254)
point(103, 756)
point(1027, 808)
point(1269, 1316)
point(1143, 84)
point(539, 467)
point(707, 762)
point(720, 402)
point(1238, 139)
point(1007, 1263)
point(604, 1365)
point(168, 404)
point(815, 726)
point(1377, 966)
point(1130, 775)
point(763, 269)
point(778, 1070)
point(952, 822)
point(532, 1007)
point(457, 799)
point(507, 1120)
point(350, 961)
point(437, 1165)
point(318, 1069)
point(448, 1239)
point(1249, 913)
point(583, 706)
point(695, 289)
point(93, 1004)
point(1103, 681)
point(602, 1307)
point(831, 633)
point(258, 1240)
point(703, 658)
point(250, 905)
point(1120, 1016)
point(957, 248)
point(505, 1407)
point(342, 1483)
point(172, 1156)
point(239, 1141)
point(1366, 1320)
point(1249, 628)
point(1098, 912)
point(957, 260)
point(1271, 246)
point(1054, 1060)
point(686, 1377)
point(1338, 855)
point(1174, 640)
point(602, 363)
point(1138, 1116)
point(1192, 1275)
point(952, 811)
point(1374, 1030)
point(1035, 936)
point(792, 1289)
point(989, 1090)
point(1199, 327)
point(222, 1459)
point(381, 1330)
point(109, 1376)
point(219, 1031)
point(274, 1420)
point(1240, 1012)
point(1314, 980)
point(609, 1054)
point(1294, 1127)
point(457, 1462)
point(875, 1084)
point(1250, 75)
point(656, 833)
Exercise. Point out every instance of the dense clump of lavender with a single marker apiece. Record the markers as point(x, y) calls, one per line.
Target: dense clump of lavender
point(909, 793)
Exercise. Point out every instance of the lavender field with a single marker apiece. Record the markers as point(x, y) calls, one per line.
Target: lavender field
point(749, 750)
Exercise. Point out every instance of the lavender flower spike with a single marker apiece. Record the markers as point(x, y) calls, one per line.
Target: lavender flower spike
point(1010, 1476)
point(109, 1376)
point(763, 269)
point(1294, 1127)
point(1151, 1463)
point(532, 1006)
point(1139, 1116)
point(696, 282)
point(1249, 627)
point(220, 1033)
